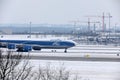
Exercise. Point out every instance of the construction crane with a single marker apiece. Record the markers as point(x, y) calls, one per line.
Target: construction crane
point(89, 23)
point(74, 23)
point(103, 20)
point(95, 24)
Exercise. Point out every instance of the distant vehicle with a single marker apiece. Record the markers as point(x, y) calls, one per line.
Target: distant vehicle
point(29, 45)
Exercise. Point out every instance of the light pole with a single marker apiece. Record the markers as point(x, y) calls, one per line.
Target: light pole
point(30, 30)
point(115, 28)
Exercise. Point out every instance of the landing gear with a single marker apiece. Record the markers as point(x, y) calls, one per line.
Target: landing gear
point(117, 54)
point(53, 50)
point(65, 51)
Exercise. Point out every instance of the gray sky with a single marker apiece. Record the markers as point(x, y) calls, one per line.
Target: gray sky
point(56, 11)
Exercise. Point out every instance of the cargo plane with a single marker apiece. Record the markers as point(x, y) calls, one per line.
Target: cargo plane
point(26, 45)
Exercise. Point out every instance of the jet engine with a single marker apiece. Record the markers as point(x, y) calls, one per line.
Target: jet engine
point(3, 45)
point(24, 48)
point(36, 48)
point(11, 46)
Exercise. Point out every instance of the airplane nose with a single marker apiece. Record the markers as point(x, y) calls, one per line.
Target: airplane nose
point(72, 44)
point(69, 43)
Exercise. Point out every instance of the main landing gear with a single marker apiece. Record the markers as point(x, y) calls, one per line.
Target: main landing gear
point(56, 51)
point(53, 50)
point(117, 54)
point(65, 51)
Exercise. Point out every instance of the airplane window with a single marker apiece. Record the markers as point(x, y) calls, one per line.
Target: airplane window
point(55, 40)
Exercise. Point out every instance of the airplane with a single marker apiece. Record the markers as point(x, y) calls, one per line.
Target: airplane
point(26, 45)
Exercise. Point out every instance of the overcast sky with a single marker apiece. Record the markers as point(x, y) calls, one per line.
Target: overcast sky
point(56, 11)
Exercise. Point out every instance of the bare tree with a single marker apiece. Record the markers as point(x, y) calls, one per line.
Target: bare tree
point(48, 73)
point(62, 73)
point(15, 67)
point(10, 68)
point(55, 73)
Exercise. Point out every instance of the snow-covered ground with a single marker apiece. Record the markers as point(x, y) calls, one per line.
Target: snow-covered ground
point(86, 70)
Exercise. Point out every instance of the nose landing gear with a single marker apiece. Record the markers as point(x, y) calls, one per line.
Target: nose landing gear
point(65, 51)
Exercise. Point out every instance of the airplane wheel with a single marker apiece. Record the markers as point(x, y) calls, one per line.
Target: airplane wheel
point(117, 54)
point(65, 51)
point(52, 51)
